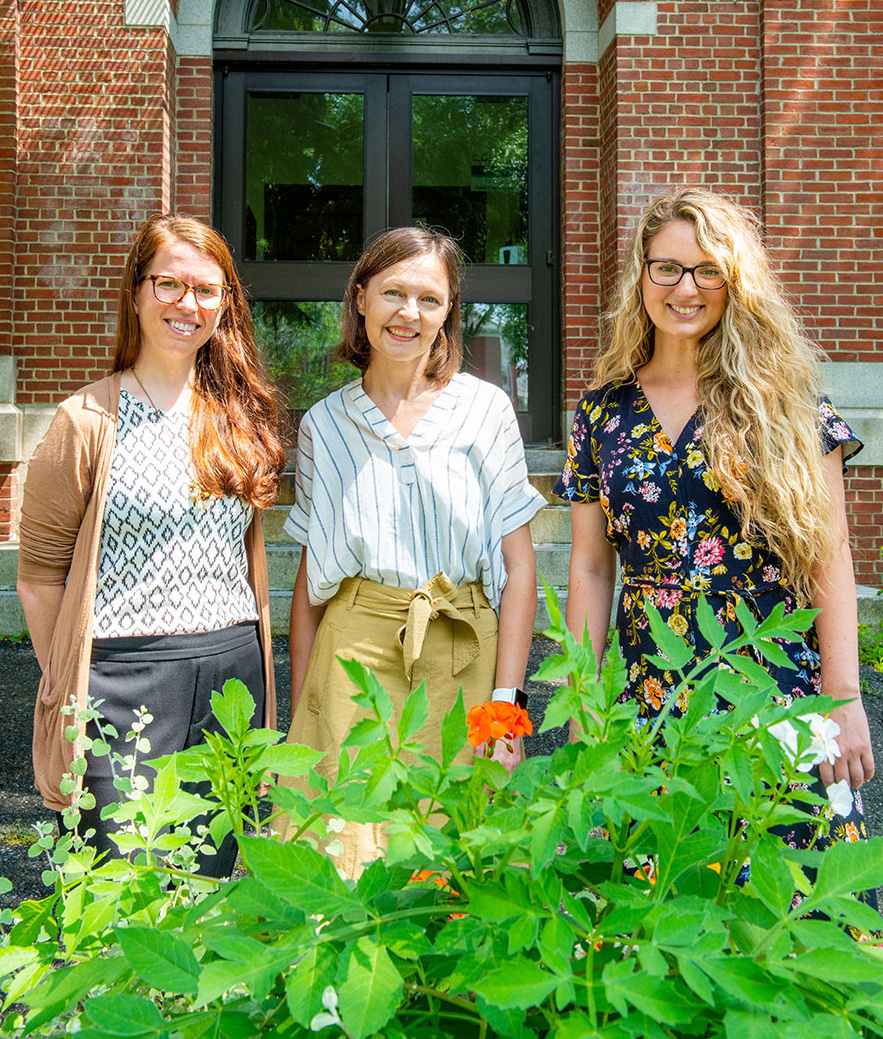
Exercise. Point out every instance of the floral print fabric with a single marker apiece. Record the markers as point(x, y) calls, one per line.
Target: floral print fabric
point(677, 537)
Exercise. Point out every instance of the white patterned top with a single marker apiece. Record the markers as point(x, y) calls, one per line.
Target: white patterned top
point(372, 503)
point(168, 563)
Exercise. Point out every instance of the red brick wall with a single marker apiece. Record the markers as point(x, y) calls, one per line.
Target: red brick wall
point(95, 140)
point(8, 500)
point(864, 506)
point(580, 242)
point(193, 186)
point(823, 171)
point(8, 121)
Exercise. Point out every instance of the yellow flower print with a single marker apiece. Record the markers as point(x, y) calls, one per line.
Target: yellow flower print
point(742, 551)
point(678, 527)
point(683, 700)
point(661, 441)
point(695, 458)
point(710, 480)
point(595, 413)
point(639, 430)
point(634, 671)
point(644, 539)
point(850, 832)
point(678, 624)
point(719, 569)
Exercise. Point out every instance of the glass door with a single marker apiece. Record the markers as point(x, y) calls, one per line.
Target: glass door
point(313, 164)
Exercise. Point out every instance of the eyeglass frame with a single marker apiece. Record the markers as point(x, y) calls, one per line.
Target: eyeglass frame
point(684, 270)
point(153, 278)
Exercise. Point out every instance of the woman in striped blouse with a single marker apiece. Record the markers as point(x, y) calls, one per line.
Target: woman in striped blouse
point(413, 507)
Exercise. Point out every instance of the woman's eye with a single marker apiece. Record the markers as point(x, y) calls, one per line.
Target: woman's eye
point(430, 299)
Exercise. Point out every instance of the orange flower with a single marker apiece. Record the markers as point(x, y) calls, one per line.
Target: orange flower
point(493, 721)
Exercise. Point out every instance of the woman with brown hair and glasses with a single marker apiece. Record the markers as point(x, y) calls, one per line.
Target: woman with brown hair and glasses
point(142, 571)
point(413, 507)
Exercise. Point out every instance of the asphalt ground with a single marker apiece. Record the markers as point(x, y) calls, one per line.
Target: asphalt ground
point(21, 807)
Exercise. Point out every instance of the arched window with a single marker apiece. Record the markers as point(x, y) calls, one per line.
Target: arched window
point(338, 118)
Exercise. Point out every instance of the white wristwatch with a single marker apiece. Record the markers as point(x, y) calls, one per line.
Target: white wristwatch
point(512, 695)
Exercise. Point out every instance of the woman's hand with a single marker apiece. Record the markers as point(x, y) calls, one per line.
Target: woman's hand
point(509, 753)
point(856, 761)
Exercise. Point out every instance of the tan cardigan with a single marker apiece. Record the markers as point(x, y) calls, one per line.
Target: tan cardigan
point(62, 514)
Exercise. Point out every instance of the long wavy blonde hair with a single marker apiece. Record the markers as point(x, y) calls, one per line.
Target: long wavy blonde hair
point(758, 382)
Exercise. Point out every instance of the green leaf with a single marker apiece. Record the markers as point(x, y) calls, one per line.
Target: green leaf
point(493, 902)
point(306, 983)
point(301, 876)
point(576, 1025)
point(406, 940)
point(371, 693)
point(124, 1015)
point(676, 651)
point(740, 1024)
point(453, 731)
point(743, 979)
point(258, 974)
point(771, 878)
point(369, 986)
point(161, 959)
point(709, 625)
point(289, 759)
point(414, 713)
point(62, 990)
point(666, 1001)
point(846, 867)
point(234, 708)
point(365, 733)
point(519, 985)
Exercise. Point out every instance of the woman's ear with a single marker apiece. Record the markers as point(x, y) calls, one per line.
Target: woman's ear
point(360, 299)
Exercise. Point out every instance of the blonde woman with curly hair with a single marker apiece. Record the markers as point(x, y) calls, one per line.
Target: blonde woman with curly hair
point(705, 455)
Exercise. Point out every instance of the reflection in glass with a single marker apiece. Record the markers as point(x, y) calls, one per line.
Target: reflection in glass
point(470, 172)
point(495, 345)
point(497, 17)
point(304, 177)
point(296, 341)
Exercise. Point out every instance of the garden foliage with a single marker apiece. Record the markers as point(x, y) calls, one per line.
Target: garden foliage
point(593, 893)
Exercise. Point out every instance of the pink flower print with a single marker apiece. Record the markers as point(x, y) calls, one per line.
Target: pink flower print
point(669, 597)
point(771, 573)
point(709, 552)
point(840, 431)
point(612, 424)
point(649, 492)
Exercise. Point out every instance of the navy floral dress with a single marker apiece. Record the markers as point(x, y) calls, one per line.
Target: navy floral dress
point(677, 537)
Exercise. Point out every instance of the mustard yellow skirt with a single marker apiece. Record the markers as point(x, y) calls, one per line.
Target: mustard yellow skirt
point(441, 634)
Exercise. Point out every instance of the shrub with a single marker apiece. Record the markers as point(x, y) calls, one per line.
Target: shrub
point(594, 893)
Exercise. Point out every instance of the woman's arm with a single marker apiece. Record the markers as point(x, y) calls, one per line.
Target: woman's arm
point(41, 603)
point(592, 577)
point(518, 608)
point(302, 627)
point(837, 630)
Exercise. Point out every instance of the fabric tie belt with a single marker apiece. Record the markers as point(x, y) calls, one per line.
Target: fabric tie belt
point(438, 597)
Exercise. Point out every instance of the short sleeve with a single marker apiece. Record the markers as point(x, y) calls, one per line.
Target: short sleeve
point(522, 501)
point(580, 479)
point(835, 432)
point(297, 524)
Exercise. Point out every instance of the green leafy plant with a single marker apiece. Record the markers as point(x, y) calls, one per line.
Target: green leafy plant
point(595, 893)
point(870, 645)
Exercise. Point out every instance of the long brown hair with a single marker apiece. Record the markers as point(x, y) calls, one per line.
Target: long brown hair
point(234, 429)
point(758, 382)
point(389, 248)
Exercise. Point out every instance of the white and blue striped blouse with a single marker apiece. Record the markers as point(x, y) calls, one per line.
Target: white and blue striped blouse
point(372, 503)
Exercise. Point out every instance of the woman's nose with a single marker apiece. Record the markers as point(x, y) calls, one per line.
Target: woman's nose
point(409, 308)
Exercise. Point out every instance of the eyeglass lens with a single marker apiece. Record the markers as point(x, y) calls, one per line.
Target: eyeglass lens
point(171, 290)
point(668, 272)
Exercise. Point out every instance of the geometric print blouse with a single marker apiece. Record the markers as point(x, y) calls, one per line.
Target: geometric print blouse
point(169, 561)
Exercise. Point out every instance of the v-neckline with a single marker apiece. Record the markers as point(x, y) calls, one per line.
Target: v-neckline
point(687, 425)
point(384, 427)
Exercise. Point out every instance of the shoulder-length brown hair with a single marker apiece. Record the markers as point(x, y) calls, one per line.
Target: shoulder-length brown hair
point(391, 247)
point(234, 429)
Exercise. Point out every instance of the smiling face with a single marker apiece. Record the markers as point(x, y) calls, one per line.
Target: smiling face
point(172, 333)
point(682, 312)
point(404, 307)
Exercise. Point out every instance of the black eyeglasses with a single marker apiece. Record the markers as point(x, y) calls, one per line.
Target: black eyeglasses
point(669, 273)
point(172, 290)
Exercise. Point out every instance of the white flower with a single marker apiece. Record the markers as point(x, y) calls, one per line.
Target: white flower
point(840, 796)
point(824, 745)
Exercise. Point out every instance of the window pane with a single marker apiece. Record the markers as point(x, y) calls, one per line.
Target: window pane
point(304, 177)
point(296, 340)
point(497, 17)
point(470, 172)
point(495, 341)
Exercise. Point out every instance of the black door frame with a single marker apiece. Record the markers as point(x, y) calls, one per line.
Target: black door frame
point(389, 90)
